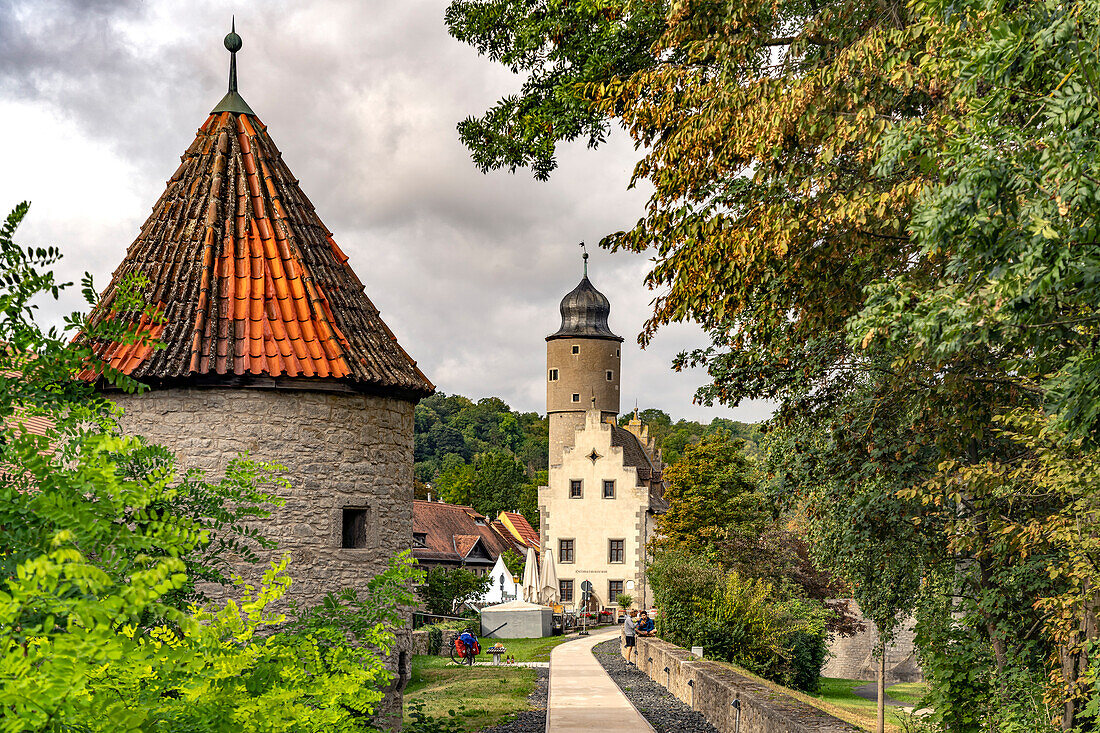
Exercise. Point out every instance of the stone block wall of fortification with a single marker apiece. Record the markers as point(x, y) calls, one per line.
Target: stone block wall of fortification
point(341, 451)
point(853, 657)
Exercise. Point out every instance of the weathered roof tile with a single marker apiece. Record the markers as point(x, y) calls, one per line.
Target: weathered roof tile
point(247, 279)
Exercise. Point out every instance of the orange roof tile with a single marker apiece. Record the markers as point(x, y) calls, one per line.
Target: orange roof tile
point(518, 526)
point(246, 277)
point(451, 531)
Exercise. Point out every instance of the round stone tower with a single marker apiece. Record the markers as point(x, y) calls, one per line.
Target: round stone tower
point(582, 365)
point(269, 345)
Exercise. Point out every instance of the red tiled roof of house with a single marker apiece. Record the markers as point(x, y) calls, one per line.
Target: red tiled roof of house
point(246, 279)
point(451, 531)
point(518, 526)
point(464, 543)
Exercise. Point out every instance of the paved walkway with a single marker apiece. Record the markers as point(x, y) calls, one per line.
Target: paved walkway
point(583, 697)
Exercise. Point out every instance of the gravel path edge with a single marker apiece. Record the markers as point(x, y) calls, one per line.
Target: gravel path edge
point(664, 711)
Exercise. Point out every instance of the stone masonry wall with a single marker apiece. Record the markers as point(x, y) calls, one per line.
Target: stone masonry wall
point(853, 657)
point(340, 450)
point(711, 688)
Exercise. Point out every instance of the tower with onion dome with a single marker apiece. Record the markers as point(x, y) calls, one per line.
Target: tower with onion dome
point(270, 347)
point(605, 486)
point(582, 364)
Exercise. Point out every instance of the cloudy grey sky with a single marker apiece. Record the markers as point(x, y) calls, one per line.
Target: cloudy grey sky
point(99, 98)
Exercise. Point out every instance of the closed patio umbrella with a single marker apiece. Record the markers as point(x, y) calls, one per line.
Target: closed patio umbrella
point(548, 593)
point(531, 577)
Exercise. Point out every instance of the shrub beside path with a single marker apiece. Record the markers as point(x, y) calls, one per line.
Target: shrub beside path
point(582, 695)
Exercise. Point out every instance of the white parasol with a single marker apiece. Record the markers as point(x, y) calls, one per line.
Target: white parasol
point(531, 577)
point(548, 593)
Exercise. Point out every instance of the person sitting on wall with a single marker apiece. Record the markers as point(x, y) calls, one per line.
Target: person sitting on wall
point(645, 625)
point(630, 629)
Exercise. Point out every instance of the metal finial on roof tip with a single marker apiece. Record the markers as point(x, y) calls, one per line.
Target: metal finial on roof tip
point(232, 102)
point(233, 44)
point(585, 256)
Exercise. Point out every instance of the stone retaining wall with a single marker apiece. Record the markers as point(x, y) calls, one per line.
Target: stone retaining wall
point(420, 642)
point(854, 657)
point(711, 688)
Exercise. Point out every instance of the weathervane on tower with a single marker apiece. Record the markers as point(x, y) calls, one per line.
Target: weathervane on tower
point(585, 256)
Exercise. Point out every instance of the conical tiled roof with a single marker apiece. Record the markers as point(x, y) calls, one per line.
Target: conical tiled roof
point(247, 279)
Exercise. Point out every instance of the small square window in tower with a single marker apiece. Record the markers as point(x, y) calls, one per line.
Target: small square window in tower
point(610, 375)
point(576, 349)
point(576, 397)
point(553, 376)
point(609, 489)
point(355, 521)
point(575, 488)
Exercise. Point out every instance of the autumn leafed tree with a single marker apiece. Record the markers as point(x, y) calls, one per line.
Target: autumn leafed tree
point(884, 215)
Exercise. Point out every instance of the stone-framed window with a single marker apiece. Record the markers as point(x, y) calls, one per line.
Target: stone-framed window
point(610, 375)
point(608, 489)
point(565, 551)
point(614, 590)
point(576, 349)
point(576, 397)
point(615, 550)
point(552, 376)
point(576, 488)
point(565, 589)
point(355, 520)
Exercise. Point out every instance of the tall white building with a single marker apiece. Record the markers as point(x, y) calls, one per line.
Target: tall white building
point(605, 486)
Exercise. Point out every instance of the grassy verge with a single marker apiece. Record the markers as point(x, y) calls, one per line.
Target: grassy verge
point(481, 696)
point(909, 693)
point(836, 695)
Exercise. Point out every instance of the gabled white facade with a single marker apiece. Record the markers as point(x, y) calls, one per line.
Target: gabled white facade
point(502, 586)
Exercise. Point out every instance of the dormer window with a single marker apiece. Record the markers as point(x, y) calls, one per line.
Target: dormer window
point(420, 539)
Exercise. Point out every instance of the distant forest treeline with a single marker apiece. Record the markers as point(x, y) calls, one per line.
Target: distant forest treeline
point(490, 457)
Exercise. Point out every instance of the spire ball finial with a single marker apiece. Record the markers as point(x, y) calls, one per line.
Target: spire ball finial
point(585, 256)
point(233, 42)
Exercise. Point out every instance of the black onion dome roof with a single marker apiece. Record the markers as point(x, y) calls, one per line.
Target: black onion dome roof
point(584, 312)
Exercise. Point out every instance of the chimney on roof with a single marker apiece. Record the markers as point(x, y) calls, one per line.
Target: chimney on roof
point(429, 496)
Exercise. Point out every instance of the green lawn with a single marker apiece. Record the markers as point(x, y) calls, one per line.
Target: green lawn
point(836, 694)
point(909, 693)
point(481, 696)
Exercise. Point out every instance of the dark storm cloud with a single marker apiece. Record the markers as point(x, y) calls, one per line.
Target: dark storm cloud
point(363, 99)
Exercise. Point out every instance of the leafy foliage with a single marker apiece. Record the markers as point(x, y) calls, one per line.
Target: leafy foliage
point(103, 549)
point(445, 590)
point(558, 45)
point(738, 619)
point(710, 495)
point(884, 214)
point(672, 439)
